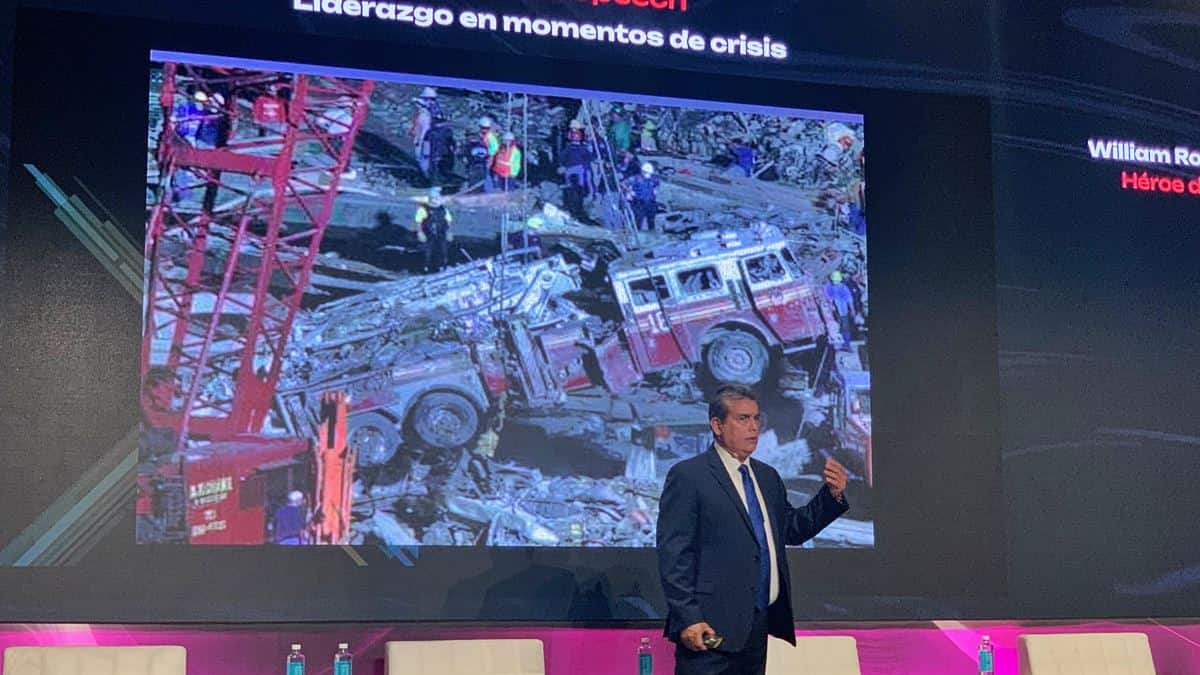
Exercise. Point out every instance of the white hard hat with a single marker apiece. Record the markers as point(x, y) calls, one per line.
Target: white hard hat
point(429, 92)
point(648, 169)
point(550, 210)
point(200, 95)
point(509, 136)
point(218, 99)
point(295, 498)
point(485, 121)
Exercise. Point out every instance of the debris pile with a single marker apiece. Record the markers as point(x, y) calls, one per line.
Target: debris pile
point(535, 387)
point(484, 502)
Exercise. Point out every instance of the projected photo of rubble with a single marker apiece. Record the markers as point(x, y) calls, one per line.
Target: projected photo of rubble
point(440, 312)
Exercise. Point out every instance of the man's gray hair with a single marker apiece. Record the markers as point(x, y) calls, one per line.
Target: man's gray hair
point(718, 407)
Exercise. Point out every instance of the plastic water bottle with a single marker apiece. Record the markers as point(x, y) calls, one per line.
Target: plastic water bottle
point(986, 665)
point(645, 658)
point(343, 662)
point(295, 661)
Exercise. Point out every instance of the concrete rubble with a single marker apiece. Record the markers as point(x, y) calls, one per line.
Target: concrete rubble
point(554, 463)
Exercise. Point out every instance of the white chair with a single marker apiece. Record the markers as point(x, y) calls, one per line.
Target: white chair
point(827, 655)
point(466, 657)
point(1086, 654)
point(95, 661)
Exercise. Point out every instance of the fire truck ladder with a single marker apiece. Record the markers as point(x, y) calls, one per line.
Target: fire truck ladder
point(609, 175)
point(225, 282)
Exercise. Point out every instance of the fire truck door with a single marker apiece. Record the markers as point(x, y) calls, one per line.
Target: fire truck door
point(703, 301)
point(646, 325)
point(782, 303)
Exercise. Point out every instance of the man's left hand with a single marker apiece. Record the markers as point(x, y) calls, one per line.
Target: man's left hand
point(835, 477)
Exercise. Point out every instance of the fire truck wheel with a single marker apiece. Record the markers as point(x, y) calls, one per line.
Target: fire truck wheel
point(445, 420)
point(736, 357)
point(374, 438)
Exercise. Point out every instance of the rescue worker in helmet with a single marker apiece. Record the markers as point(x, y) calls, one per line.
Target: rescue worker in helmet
point(577, 160)
point(481, 152)
point(439, 149)
point(290, 524)
point(433, 221)
point(643, 198)
point(843, 306)
point(426, 113)
point(506, 165)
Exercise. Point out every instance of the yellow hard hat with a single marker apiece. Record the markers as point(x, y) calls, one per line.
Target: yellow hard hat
point(835, 277)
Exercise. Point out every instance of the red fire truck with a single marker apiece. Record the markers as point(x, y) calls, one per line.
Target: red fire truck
point(726, 301)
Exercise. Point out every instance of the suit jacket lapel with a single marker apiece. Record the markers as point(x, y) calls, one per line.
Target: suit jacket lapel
point(726, 483)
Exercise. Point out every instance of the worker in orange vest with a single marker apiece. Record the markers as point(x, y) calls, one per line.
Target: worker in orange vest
point(507, 164)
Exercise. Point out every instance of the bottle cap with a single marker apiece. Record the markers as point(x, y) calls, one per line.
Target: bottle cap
point(343, 645)
point(296, 647)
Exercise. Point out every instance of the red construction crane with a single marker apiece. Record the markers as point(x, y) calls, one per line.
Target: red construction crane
point(238, 150)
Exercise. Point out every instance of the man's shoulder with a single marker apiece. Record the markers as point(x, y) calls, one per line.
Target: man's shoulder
point(691, 465)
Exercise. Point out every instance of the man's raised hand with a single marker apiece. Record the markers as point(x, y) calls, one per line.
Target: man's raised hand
point(835, 477)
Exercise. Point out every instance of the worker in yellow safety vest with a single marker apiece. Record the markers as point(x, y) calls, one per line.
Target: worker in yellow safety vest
point(482, 152)
point(433, 221)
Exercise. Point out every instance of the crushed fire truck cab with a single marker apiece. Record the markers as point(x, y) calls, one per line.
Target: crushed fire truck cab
point(730, 300)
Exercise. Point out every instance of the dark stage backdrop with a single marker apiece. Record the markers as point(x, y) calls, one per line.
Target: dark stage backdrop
point(1032, 311)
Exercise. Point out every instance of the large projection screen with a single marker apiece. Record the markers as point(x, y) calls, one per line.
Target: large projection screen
point(522, 294)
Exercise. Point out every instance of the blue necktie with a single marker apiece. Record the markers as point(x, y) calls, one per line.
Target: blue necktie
point(760, 533)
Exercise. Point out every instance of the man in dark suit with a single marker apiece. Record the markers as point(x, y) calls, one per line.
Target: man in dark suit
point(723, 523)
